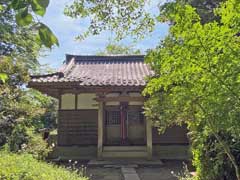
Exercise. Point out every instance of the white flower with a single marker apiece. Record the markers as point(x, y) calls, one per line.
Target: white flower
point(23, 146)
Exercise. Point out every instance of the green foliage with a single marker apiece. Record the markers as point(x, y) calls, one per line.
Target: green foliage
point(11, 109)
point(17, 43)
point(113, 48)
point(17, 138)
point(36, 146)
point(25, 15)
point(21, 39)
point(211, 162)
point(25, 140)
point(132, 18)
point(185, 174)
point(20, 29)
point(46, 35)
point(123, 17)
point(24, 167)
point(197, 78)
point(21, 109)
point(3, 77)
point(39, 6)
point(204, 8)
point(46, 108)
point(23, 18)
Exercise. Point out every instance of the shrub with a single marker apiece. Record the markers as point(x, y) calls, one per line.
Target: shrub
point(211, 162)
point(185, 174)
point(25, 139)
point(18, 137)
point(36, 146)
point(25, 167)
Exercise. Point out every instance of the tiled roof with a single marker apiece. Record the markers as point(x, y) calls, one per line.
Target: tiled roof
point(100, 71)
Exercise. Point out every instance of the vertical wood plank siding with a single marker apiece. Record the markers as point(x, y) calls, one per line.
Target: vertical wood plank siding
point(77, 127)
point(174, 135)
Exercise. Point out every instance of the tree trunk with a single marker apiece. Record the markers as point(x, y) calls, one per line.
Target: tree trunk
point(230, 156)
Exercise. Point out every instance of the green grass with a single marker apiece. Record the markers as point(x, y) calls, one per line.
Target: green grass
point(25, 167)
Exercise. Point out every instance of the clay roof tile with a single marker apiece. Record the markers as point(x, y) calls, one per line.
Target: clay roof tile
point(129, 70)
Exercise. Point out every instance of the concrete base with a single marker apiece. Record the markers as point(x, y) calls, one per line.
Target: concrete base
point(176, 152)
point(118, 163)
point(74, 153)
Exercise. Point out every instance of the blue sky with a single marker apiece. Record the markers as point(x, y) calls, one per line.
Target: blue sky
point(66, 29)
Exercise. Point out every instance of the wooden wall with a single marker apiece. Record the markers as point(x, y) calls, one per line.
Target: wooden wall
point(78, 117)
point(175, 135)
point(77, 127)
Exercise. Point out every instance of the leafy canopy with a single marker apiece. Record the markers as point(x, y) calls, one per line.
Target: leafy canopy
point(123, 17)
point(197, 78)
point(25, 12)
point(135, 18)
point(114, 48)
point(21, 33)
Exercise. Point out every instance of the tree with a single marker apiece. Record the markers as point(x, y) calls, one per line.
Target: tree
point(123, 17)
point(197, 82)
point(25, 14)
point(114, 48)
point(132, 17)
point(21, 33)
point(21, 108)
point(204, 8)
point(22, 37)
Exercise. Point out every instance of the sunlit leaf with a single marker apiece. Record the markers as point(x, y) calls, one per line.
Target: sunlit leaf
point(39, 10)
point(23, 18)
point(1, 7)
point(43, 3)
point(18, 4)
point(3, 77)
point(47, 37)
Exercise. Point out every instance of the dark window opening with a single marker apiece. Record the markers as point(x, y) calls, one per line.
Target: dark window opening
point(113, 118)
point(135, 117)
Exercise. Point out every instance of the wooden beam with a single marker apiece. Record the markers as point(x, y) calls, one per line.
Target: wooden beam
point(120, 99)
point(149, 138)
point(100, 130)
point(78, 87)
point(76, 101)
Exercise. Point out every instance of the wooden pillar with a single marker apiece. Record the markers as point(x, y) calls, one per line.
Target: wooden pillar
point(149, 138)
point(100, 130)
point(123, 112)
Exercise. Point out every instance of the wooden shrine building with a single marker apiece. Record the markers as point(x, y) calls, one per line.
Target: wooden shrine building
point(100, 109)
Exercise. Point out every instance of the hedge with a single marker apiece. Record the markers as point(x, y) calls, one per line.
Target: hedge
point(25, 167)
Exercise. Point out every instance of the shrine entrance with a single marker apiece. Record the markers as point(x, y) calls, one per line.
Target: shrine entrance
point(124, 125)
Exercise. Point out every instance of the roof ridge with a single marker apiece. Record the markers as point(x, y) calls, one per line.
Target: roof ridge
point(69, 65)
point(59, 74)
point(104, 57)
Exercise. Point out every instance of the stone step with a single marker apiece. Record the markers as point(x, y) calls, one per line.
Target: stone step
point(126, 162)
point(124, 154)
point(129, 173)
point(124, 148)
